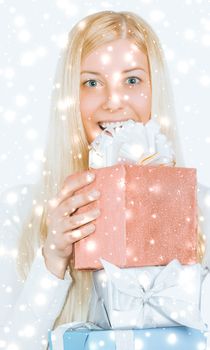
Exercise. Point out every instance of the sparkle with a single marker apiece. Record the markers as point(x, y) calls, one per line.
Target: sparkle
point(164, 121)
point(82, 25)
point(76, 233)
point(121, 183)
point(126, 97)
point(40, 299)
point(93, 345)
point(31, 134)
point(205, 80)
point(157, 15)
point(12, 198)
point(9, 73)
point(8, 289)
point(205, 24)
point(205, 40)
point(3, 251)
point(169, 53)
point(154, 188)
point(65, 103)
point(174, 315)
point(201, 218)
point(116, 77)
point(9, 116)
point(31, 167)
point(12, 346)
point(139, 344)
point(207, 200)
point(39, 210)
point(46, 283)
point(38, 154)
point(189, 34)
point(60, 40)
point(6, 329)
point(201, 346)
point(69, 9)
point(28, 58)
point(101, 343)
point(22, 307)
point(2, 344)
point(172, 339)
point(19, 21)
point(91, 246)
point(128, 57)
point(41, 51)
point(183, 67)
point(53, 202)
point(29, 331)
point(20, 100)
point(24, 36)
point(148, 334)
point(105, 59)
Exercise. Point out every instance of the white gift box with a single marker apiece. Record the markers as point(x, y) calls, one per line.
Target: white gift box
point(132, 142)
point(147, 297)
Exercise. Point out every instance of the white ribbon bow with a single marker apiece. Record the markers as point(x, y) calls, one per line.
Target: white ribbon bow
point(163, 296)
point(132, 142)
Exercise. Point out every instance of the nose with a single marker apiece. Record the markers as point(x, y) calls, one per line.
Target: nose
point(113, 100)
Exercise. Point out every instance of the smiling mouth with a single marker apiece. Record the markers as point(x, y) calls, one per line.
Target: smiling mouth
point(104, 125)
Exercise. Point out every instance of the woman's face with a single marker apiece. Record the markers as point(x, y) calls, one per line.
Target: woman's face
point(115, 86)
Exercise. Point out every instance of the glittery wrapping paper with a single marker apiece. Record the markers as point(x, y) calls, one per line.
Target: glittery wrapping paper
point(148, 217)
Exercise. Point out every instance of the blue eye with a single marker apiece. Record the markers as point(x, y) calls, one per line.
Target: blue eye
point(92, 82)
point(134, 80)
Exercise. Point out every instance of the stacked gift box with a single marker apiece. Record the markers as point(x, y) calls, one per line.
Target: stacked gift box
point(147, 277)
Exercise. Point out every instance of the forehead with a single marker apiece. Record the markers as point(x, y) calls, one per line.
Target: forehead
point(115, 55)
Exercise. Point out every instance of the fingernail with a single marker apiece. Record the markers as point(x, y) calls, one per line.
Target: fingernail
point(94, 194)
point(90, 177)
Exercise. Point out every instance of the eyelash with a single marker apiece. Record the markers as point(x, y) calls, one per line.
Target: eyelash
point(126, 79)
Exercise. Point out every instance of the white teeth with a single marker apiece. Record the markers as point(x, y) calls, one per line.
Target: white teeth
point(116, 124)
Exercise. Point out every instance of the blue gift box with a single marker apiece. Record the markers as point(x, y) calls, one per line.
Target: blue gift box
point(173, 338)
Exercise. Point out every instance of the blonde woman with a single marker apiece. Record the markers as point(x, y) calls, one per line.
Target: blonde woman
point(40, 289)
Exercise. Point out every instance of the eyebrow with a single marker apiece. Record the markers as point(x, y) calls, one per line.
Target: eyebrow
point(124, 71)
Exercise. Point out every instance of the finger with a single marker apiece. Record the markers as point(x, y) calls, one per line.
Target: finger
point(76, 235)
point(75, 221)
point(70, 205)
point(72, 184)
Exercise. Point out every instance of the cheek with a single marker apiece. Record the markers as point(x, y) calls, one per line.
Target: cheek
point(88, 104)
point(141, 101)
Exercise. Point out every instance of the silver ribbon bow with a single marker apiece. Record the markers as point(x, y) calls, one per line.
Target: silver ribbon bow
point(164, 296)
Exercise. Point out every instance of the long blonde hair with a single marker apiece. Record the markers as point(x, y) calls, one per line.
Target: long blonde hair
point(67, 148)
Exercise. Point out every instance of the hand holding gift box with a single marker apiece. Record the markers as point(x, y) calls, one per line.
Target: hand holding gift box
point(148, 296)
point(148, 217)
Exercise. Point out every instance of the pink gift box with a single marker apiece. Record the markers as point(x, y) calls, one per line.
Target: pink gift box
point(148, 217)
